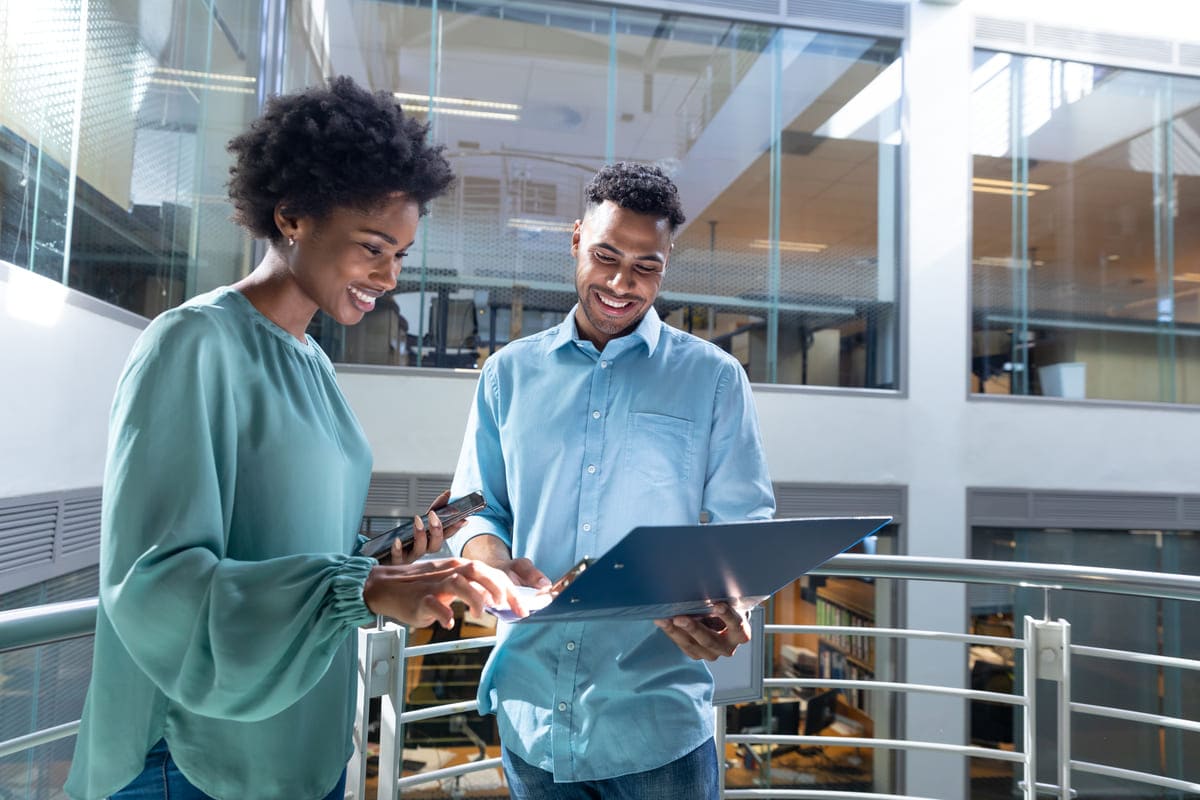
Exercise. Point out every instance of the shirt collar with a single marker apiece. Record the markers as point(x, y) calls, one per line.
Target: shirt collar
point(649, 330)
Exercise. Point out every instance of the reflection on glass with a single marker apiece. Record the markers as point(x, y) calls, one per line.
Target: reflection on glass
point(113, 121)
point(784, 145)
point(1083, 272)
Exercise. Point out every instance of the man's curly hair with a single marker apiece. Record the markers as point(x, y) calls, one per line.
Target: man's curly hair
point(331, 147)
point(643, 188)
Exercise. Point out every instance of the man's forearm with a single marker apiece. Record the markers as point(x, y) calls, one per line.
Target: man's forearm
point(489, 549)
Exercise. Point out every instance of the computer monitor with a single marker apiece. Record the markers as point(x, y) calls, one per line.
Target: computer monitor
point(820, 712)
point(782, 716)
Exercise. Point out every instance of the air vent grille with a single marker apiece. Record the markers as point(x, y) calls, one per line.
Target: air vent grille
point(1086, 510)
point(80, 525)
point(1096, 510)
point(808, 500)
point(27, 534)
point(998, 31)
point(997, 506)
point(858, 12)
point(389, 490)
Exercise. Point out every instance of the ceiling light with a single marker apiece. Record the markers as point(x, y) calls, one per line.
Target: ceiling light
point(998, 190)
point(539, 225)
point(460, 112)
point(210, 76)
point(789, 247)
point(208, 87)
point(455, 101)
point(1187, 277)
point(1004, 261)
point(994, 186)
point(1037, 187)
point(1114, 257)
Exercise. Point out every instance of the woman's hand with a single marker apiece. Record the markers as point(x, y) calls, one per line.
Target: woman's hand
point(428, 535)
point(420, 594)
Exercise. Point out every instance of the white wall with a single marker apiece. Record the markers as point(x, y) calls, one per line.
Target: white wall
point(60, 355)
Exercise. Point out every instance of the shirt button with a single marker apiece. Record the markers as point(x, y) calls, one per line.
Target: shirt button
point(562, 706)
point(570, 646)
point(587, 526)
point(603, 365)
point(591, 469)
point(595, 415)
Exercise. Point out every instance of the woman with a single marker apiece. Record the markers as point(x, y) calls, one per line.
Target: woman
point(236, 476)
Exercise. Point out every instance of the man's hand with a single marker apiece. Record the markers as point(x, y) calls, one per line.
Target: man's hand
point(495, 553)
point(710, 637)
point(420, 594)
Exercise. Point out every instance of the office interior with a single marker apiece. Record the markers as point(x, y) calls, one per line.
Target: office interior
point(953, 244)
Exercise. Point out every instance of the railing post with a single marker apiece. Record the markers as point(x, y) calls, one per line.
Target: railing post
point(391, 728)
point(380, 674)
point(719, 740)
point(1048, 657)
point(1029, 718)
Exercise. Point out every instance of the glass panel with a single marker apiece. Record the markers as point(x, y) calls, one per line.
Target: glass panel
point(123, 120)
point(40, 688)
point(776, 138)
point(815, 600)
point(1081, 287)
point(1118, 622)
point(38, 89)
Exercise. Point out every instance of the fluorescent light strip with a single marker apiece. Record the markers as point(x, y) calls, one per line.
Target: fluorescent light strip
point(789, 247)
point(460, 112)
point(1003, 261)
point(456, 101)
point(203, 86)
point(540, 225)
point(997, 190)
point(214, 76)
point(1037, 187)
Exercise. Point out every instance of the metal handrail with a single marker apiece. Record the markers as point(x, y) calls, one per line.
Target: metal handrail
point(37, 625)
point(46, 624)
point(1167, 585)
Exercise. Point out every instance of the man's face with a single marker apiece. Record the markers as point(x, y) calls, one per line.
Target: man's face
point(620, 257)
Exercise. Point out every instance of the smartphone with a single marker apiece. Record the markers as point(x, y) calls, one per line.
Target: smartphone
point(381, 544)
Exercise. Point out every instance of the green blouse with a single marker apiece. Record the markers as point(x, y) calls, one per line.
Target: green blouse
point(233, 493)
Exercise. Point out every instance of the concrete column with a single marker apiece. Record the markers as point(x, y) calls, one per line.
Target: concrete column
point(937, 193)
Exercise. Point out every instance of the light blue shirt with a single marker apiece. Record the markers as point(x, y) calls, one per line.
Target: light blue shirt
point(572, 449)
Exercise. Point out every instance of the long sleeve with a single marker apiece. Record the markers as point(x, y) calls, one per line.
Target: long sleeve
point(206, 566)
point(481, 467)
point(737, 485)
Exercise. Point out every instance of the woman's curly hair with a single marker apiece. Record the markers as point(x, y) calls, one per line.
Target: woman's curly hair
point(643, 188)
point(331, 147)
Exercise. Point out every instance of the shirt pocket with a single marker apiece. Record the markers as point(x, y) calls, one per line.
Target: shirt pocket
point(659, 448)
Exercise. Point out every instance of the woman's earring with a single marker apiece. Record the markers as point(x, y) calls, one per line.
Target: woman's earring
point(291, 241)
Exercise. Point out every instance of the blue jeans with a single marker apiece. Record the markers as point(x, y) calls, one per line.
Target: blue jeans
point(162, 780)
point(693, 777)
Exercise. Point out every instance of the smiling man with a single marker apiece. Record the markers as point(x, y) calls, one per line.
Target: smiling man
point(578, 434)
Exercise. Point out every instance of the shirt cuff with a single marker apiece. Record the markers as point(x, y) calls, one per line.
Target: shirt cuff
point(347, 605)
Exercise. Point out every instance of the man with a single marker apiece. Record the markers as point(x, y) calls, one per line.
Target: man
point(578, 434)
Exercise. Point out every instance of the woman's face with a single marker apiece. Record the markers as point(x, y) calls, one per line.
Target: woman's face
point(345, 261)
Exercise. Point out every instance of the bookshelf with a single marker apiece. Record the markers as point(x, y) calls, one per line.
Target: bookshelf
point(846, 602)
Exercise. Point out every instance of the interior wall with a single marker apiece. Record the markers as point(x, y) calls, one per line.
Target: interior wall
point(60, 358)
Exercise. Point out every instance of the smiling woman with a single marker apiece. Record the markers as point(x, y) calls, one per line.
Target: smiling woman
point(236, 477)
